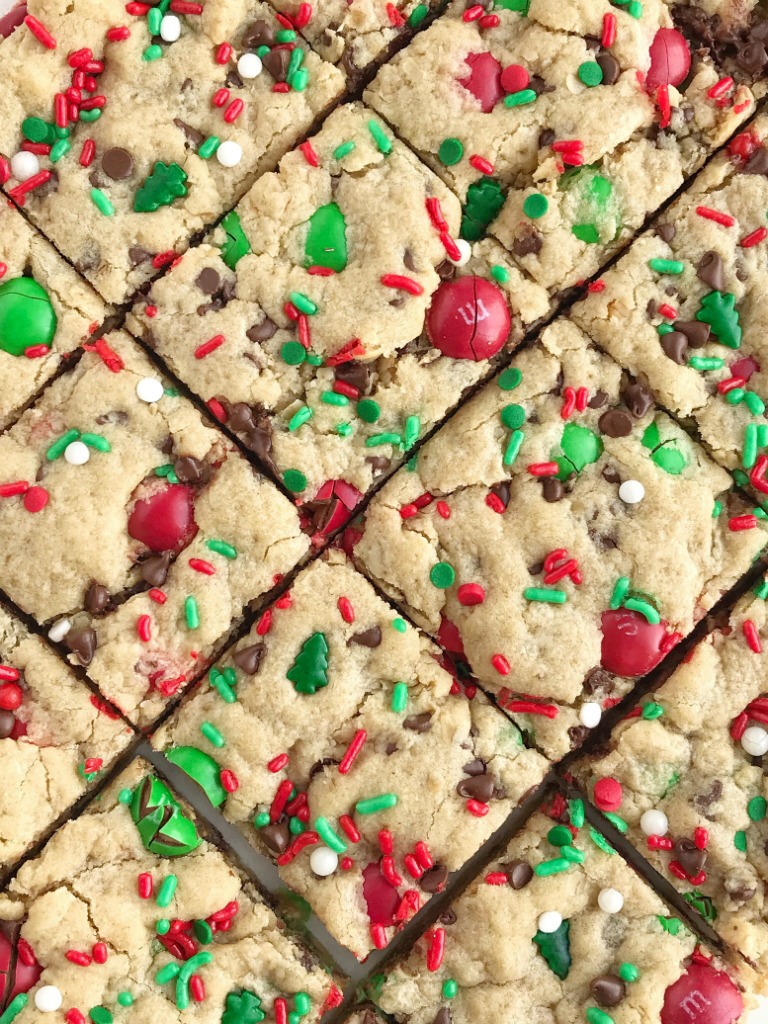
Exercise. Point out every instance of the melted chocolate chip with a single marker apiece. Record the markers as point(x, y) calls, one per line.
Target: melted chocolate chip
point(615, 423)
point(154, 570)
point(477, 787)
point(408, 261)
point(356, 374)
point(117, 163)
point(599, 681)
point(674, 345)
point(418, 723)
point(97, 599)
point(502, 492)
point(689, 856)
point(637, 398)
point(208, 280)
point(518, 872)
point(249, 658)
point(367, 638)
point(703, 801)
point(83, 643)
point(443, 1016)
point(263, 331)
point(710, 271)
point(695, 331)
point(190, 470)
point(434, 880)
point(546, 138)
point(608, 989)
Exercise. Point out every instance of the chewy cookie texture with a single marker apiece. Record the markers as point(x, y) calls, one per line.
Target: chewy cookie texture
point(120, 524)
point(560, 124)
point(55, 738)
point(405, 780)
point(332, 319)
point(145, 125)
point(527, 537)
point(46, 312)
point(560, 929)
point(685, 773)
point(151, 923)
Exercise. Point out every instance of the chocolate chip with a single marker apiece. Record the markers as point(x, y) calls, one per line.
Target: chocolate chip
point(356, 374)
point(757, 163)
point(276, 62)
point(552, 490)
point(367, 638)
point(259, 33)
point(703, 801)
point(97, 599)
point(695, 331)
point(752, 57)
point(518, 872)
point(478, 787)
point(598, 400)
point(276, 837)
point(83, 643)
point(418, 723)
point(577, 734)
point(154, 570)
point(446, 270)
point(615, 423)
point(666, 232)
point(137, 255)
point(598, 680)
point(117, 163)
point(443, 1016)
point(528, 243)
point(690, 858)
point(710, 271)
point(434, 880)
point(7, 722)
point(408, 261)
point(263, 331)
point(611, 475)
point(234, 79)
point(741, 893)
point(546, 138)
point(608, 989)
point(190, 470)
point(610, 67)
point(674, 345)
point(249, 658)
point(208, 280)
point(195, 137)
point(502, 492)
point(637, 398)
point(259, 441)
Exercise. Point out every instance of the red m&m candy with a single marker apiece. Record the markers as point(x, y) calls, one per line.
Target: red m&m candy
point(631, 645)
point(484, 79)
point(165, 521)
point(702, 996)
point(468, 319)
point(670, 59)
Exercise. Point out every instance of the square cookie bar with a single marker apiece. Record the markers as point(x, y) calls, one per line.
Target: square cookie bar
point(128, 913)
point(686, 773)
point(325, 321)
point(55, 738)
point(562, 128)
point(683, 310)
point(125, 131)
point(534, 537)
point(560, 929)
point(46, 312)
point(123, 512)
point(335, 738)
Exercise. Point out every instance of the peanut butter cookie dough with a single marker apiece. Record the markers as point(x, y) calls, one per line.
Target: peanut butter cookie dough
point(560, 929)
point(560, 124)
point(125, 131)
point(534, 536)
point(130, 914)
point(685, 773)
point(332, 319)
point(55, 738)
point(123, 513)
point(408, 776)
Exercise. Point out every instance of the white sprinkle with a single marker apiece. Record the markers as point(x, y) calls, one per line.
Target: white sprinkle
point(465, 253)
point(48, 999)
point(631, 492)
point(229, 153)
point(550, 921)
point(76, 453)
point(59, 630)
point(249, 65)
point(755, 741)
point(610, 901)
point(170, 28)
point(149, 389)
point(654, 823)
point(323, 861)
point(24, 165)
point(590, 714)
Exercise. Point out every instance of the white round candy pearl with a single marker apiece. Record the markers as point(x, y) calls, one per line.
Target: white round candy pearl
point(249, 65)
point(654, 823)
point(323, 861)
point(229, 153)
point(610, 901)
point(755, 741)
point(590, 714)
point(631, 492)
point(149, 389)
point(550, 921)
point(76, 453)
point(48, 999)
point(59, 630)
point(170, 28)
point(24, 165)
point(465, 253)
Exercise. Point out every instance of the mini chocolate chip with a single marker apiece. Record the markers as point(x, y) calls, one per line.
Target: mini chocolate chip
point(7, 722)
point(610, 67)
point(637, 398)
point(195, 137)
point(611, 475)
point(446, 270)
point(674, 345)
point(242, 418)
point(477, 787)
point(690, 858)
point(546, 138)
point(433, 881)
point(528, 243)
point(666, 232)
point(518, 872)
point(260, 443)
point(117, 163)
point(598, 680)
point(276, 837)
point(83, 643)
point(418, 723)
point(259, 33)
point(367, 638)
point(443, 1016)
point(208, 280)
point(695, 331)
point(608, 989)
point(355, 373)
point(741, 894)
point(276, 63)
point(408, 261)
point(249, 658)
point(502, 491)
point(710, 271)
point(263, 331)
point(577, 734)
point(137, 255)
point(598, 400)
point(190, 470)
point(615, 423)
point(154, 570)
point(97, 599)
point(552, 490)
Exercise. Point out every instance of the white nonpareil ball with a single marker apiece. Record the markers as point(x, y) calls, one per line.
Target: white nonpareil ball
point(590, 714)
point(654, 823)
point(59, 630)
point(76, 453)
point(323, 861)
point(755, 741)
point(24, 165)
point(48, 999)
point(249, 65)
point(610, 901)
point(550, 921)
point(229, 153)
point(149, 389)
point(170, 28)
point(631, 492)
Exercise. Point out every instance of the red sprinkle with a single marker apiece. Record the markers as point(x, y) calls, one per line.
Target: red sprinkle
point(481, 164)
point(229, 780)
point(494, 502)
point(596, 286)
point(719, 218)
point(378, 936)
point(144, 628)
point(757, 236)
point(303, 15)
point(676, 869)
point(26, 953)
point(412, 866)
point(752, 636)
point(277, 763)
point(280, 1008)
point(608, 794)
point(352, 751)
point(395, 17)
point(389, 871)
point(87, 153)
point(501, 664)
point(443, 510)
point(386, 843)
point(186, 7)
point(701, 838)
point(40, 32)
point(11, 490)
point(100, 953)
point(233, 111)
point(74, 1016)
point(470, 594)
point(209, 346)
point(223, 53)
point(720, 88)
point(309, 154)
point(609, 30)
point(664, 105)
point(300, 843)
point(264, 624)
point(531, 707)
point(196, 983)
point(736, 523)
point(145, 885)
point(543, 468)
point(436, 949)
point(75, 957)
point(477, 808)
point(350, 829)
point(200, 565)
point(9, 674)
point(401, 282)
point(36, 351)
point(157, 596)
point(569, 402)
point(281, 799)
point(118, 34)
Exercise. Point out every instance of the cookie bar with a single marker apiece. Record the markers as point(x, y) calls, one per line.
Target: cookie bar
point(405, 780)
point(534, 536)
point(46, 312)
point(325, 321)
point(561, 128)
point(689, 298)
point(126, 131)
point(129, 913)
point(122, 512)
point(685, 773)
point(55, 738)
point(560, 929)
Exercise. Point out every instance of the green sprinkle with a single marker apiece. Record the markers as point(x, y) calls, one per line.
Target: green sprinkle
point(208, 147)
point(100, 1015)
point(666, 266)
point(536, 205)
point(749, 448)
point(520, 99)
point(167, 891)
point(442, 575)
point(368, 410)
point(341, 151)
point(740, 841)
point(97, 442)
point(717, 508)
point(125, 999)
point(222, 687)
point(378, 439)
point(560, 835)
point(399, 624)
point(513, 448)
point(14, 1008)
point(651, 711)
point(399, 698)
point(576, 813)
point(35, 129)
point(294, 63)
point(740, 477)
point(343, 429)
point(154, 17)
point(500, 274)
point(293, 353)
point(167, 973)
point(221, 548)
point(635, 9)
point(374, 804)
point(618, 823)
point(600, 841)
point(637, 604)
point(151, 53)
point(57, 448)
point(628, 973)
point(261, 819)
point(212, 734)
point(545, 596)
point(299, 80)
point(163, 926)
point(303, 1003)
point(450, 152)
point(586, 233)
point(303, 303)
point(380, 137)
point(735, 396)
point(294, 480)
point(59, 149)
point(552, 867)
point(125, 796)
point(757, 808)
point(706, 363)
point(300, 417)
point(203, 932)
point(620, 591)
point(664, 329)
point(186, 972)
point(333, 398)
point(512, 416)
point(94, 115)
point(572, 854)
point(101, 202)
point(510, 379)
point(590, 73)
point(761, 590)
point(762, 435)
point(754, 403)
point(191, 613)
point(417, 15)
point(595, 1015)
point(296, 826)
point(450, 988)
point(411, 432)
point(329, 837)
point(286, 35)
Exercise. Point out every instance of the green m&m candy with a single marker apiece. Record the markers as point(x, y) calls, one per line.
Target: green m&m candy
point(27, 317)
point(202, 769)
